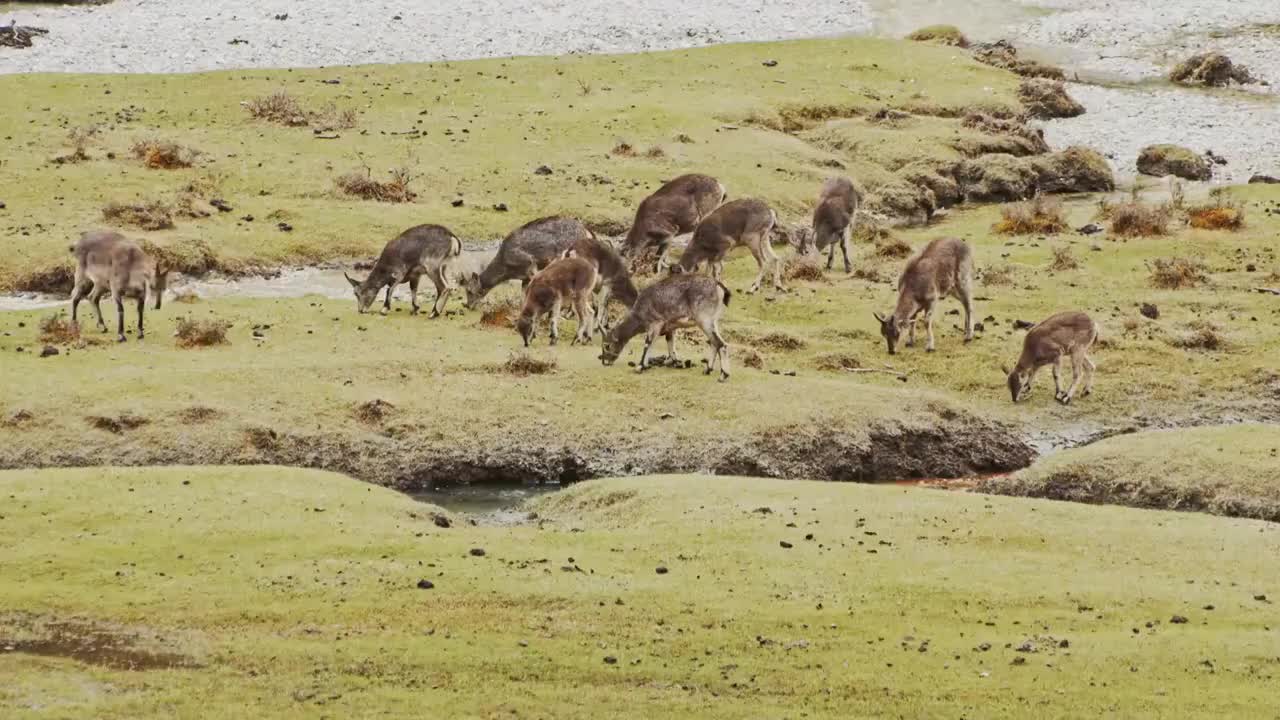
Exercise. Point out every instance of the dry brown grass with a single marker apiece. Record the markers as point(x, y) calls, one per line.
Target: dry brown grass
point(78, 140)
point(808, 268)
point(193, 333)
point(58, 330)
point(198, 414)
point(118, 424)
point(780, 341)
point(361, 184)
point(1203, 336)
point(1040, 215)
point(279, 107)
point(522, 364)
point(373, 412)
point(331, 117)
point(750, 357)
point(501, 314)
point(160, 154)
point(997, 275)
point(837, 361)
point(655, 153)
point(870, 273)
point(1137, 219)
point(1178, 273)
point(1063, 259)
point(1221, 214)
point(143, 214)
point(893, 247)
point(940, 34)
point(622, 148)
point(186, 297)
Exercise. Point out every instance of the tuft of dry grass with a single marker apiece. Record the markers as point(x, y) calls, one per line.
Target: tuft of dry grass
point(279, 107)
point(870, 273)
point(781, 341)
point(1178, 273)
point(501, 314)
point(837, 361)
point(1211, 69)
point(683, 138)
point(893, 247)
point(186, 297)
point(1203, 336)
point(198, 414)
point(1137, 219)
point(373, 412)
point(622, 148)
point(160, 154)
point(78, 140)
point(143, 214)
point(118, 424)
point(805, 267)
point(750, 357)
point(201, 333)
point(522, 364)
point(997, 275)
point(1221, 214)
point(655, 153)
point(1063, 259)
point(1040, 215)
point(331, 117)
point(361, 184)
point(941, 35)
point(58, 330)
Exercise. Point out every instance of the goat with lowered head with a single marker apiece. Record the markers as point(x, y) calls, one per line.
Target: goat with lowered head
point(528, 249)
point(108, 262)
point(748, 222)
point(421, 250)
point(943, 268)
point(833, 220)
point(1065, 334)
point(674, 302)
point(572, 279)
point(674, 209)
point(614, 282)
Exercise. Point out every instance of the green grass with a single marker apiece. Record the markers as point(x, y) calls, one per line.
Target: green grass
point(485, 127)
point(294, 594)
point(320, 360)
point(1232, 470)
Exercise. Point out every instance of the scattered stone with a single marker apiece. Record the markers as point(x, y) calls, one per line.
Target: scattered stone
point(1149, 310)
point(543, 170)
point(477, 552)
point(785, 545)
point(501, 207)
point(2, 205)
point(440, 521)
point(1258, 179)
point(1208, 607)
point(1162, 160)
point(425, 584)
point(284, 227)
point(221, 205)
point(458, 202)
point(661, 570)
point(48, 351)
point(770, 63)
point(1047, 99)
point(1214, 158)
point(1023, 325)
point(1178, 620)
point(984, 647)
point(1090, 229)
point(1260, 598)
point(610, 660)
point(1019, 661)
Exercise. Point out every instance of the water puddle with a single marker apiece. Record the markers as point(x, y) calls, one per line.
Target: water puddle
point(487, 504)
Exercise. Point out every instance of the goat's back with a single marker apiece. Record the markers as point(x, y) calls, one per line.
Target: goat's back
point(680, 295)
point(737, 218)
point(1057, 335)
point(544, 239)
point(421, 244)
point(938, 268)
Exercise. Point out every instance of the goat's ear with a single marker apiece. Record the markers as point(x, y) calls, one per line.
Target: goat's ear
point(475, 276)
point(1004, 369)
point(354, 283)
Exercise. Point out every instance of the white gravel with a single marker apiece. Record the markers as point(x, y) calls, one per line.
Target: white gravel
point(186, 35)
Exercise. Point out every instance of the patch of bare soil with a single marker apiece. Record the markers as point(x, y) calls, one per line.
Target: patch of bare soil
point(116, 425)
point(93, 644)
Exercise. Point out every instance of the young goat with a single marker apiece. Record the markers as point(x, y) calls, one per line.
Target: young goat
point(524, 252)
point(107, 261)
point(674, 302)
point(674, 209)
point(833, 219)
point(615, 277)
point(1067, 333)
point(944, 267)
point(747, 222)
point(425, 249)
point(572, 279)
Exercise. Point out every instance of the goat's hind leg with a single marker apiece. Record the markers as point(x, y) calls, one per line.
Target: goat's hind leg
point(650, 335)
point(1077, 375)
point(95, 298)
point(586, 320)
point(1089, 368)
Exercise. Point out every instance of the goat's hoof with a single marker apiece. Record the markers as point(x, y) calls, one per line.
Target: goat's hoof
point(121, 339)
point(928, 349)
point(1065, 400)
point(848, 269)
point(414, 311)
point(968, 340)
point(434, 314)
point(724, 377)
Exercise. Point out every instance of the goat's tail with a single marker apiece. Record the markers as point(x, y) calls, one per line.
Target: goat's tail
point(455, 246)
point(727, 293)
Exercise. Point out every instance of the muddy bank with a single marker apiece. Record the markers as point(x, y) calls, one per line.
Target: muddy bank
point(883, 453)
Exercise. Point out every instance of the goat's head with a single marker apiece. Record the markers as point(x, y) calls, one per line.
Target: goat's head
point(366, 292)
point(1019, 383)
point(524, 326)
point(610, 347)
point(471, 284)
point(890, 330)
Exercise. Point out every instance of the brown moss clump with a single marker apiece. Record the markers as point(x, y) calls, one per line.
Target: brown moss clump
point(1178, 273)
point(893, 247)
point(837, 361)
point(1028, 140)
point(1219, 215)
point(781, 341)
point(997, 275)
point(160, 154)
point(1004, 55)
point(1063, 259)
point(622, 148)
point(949, 35)
point(1203, 336)
point(201, 333)
point(361, 184)
point(279, 107)
point(1211, 69)
point(750, 357)
point(198, 414)
point(805, 267)
point(58, 330)
point(189, 256)
point(1138, 219)
point(143, 214)
point(118, 424)
point(1162, 160)
point(655, 153)
point(1040, 215)
point(522, 364)
point(501, 314)
point(1073, 170)
point(373, 412)
point(1047, 99)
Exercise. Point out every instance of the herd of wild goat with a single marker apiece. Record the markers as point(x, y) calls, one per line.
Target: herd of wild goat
point(558, 260)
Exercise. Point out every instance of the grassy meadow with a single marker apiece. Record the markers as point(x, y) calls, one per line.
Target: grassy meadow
point(283, 593)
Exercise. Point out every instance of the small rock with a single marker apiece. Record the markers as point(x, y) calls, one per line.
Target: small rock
point(785, 545)
point(661, 570)
point(979, 327)
point(221, 205)
point(247, 218)
point(1251, 268)
point(48, 351)
point(665, 416)
point(543, 170)
point(284, 227)
point(984, 646)
point(1090, 229)
point(501, 207)
point(458, 202)
point(1178, 620)
point(441, 521)
point(1208, 607)
point(1149, 310)
point(790, 373)
point(770, 63)
point(1260, 598)
point(1064, 643)
point(610, 660)
point(477, 552)
point(425, 585)
point(2, 205)
point(1019, 661)
point(1022, 325)
point(1258, 179)
point(259, 334)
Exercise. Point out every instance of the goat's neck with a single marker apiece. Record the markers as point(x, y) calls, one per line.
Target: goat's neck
point(627, 329)
point(907, 306)
point(492, 276)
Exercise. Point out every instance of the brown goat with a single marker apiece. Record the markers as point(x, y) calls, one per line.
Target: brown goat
point(107, 261)
point(1067, 333)
point(674, 209)
point(572, 279)
point(424, 249)
point(944, 267)
point(833, 219)
point(748, 222)
point(674, 302)
point(528, 249)
point(615, 276)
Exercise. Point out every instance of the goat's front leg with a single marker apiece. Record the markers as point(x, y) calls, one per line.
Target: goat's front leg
point(602, 309)
point(844, 250)
point(142, 304)
point(555, 321)
point(650, 335)
point(1077, 374)
point(413, 293)
point(928, 329)
point(386, 304)
point(831, 255)
point(443, 289)
point(1057, 378)
point(582, 308)
point(671, 348)
point(119, 300)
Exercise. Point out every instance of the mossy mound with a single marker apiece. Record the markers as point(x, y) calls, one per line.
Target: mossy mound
point(1162, 160)
point(1048, 99)
point(1212, 69)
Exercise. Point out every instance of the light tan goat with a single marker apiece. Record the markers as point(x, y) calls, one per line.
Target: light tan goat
point(674, 209)
point(108, 262)
point(674, 302)
point(747, 222)
point(944, 267)
point(833, 220)
point(1067, 333)
point(573, 279)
